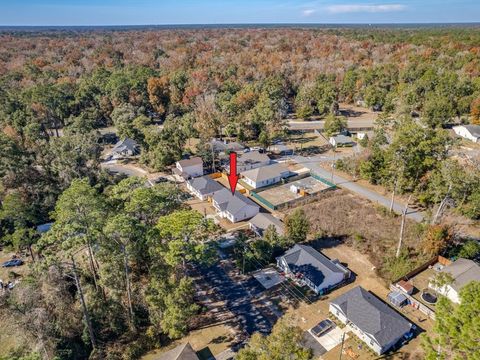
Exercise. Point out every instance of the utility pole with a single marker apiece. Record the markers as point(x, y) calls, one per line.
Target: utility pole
point(402, 227)
point(84, 305)
point(333, 165)
point(341, 349)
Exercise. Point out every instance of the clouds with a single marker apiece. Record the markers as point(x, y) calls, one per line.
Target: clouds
point(365, 8)
point(308, 12)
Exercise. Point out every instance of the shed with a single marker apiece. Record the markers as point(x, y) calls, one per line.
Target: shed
point(405, 286)
point(397, 298)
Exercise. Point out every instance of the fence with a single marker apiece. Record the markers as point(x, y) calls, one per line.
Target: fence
point(416, 304)
point(265, 202)
point(417, 270)
point(319, 178)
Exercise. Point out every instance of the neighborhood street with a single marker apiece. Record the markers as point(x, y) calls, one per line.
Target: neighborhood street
point(312, 164)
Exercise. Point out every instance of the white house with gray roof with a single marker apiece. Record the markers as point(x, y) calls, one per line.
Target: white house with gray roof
point(470, 132)
point(463, 271)
point(189, 168)
point(124, 148)
point(203, 187)
point(251, 160)
point(234, 207)
point(312, 268)
point(181, 352)
point(265, 176)
point(260, 223)
point(372, 320)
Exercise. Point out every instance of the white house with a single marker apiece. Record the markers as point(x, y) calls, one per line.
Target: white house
point(189, 168)
point(470, 132)
point(234, 207)
point(265, 176)
point(311, 268)
point(203, 187)
point(341, 140)
point(462, 271)
point(372, 320)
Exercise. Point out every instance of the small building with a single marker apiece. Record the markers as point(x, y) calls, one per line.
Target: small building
point(189, 168)
point(405, 286)
point(469, 132)
point(265, 176)
point(181, 352)
point(260, 223)
point(251, 160)
point(125, 148)
point(203, 187)
point(313, 269)
point(462, 271)
point(372, 320)
point(397, 298)
point(235, 208)
point(341, 140)
point(280, 149)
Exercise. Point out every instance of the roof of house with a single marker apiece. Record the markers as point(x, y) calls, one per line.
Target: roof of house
point(220, 146)
point(472, 129)
point(342, 139)
point(205, 185)
point(126, 144)
point(253, 157)
point(405, 285)
point(182, 352)
point(191, 162)
point(232, 203)
point(43, 228)
point(265, 172)
point(313, 265)
point(463, 271)
point(372, 316)
point(264, 220)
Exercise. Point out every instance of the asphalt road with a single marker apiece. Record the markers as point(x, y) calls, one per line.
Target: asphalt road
point(238, 298)
point(312, 164)
point(364, 124)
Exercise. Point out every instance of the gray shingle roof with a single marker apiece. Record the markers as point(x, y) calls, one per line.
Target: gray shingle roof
point(309, 262)
point(182, 352)
point(230, 203)
point(266, 172)
point(220, 146)
point(342, 139)
point(192, 161)
point(473, 129)
point(253, 157)
point(372, 316)
point(205, 185)
point(263, 220)
point(126, 144)
point(463, 271)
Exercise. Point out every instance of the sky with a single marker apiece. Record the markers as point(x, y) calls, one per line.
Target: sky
point(166, 12)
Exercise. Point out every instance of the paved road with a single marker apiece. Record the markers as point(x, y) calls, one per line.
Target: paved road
point(238, 298)
point(312, 164)
point(364, 124)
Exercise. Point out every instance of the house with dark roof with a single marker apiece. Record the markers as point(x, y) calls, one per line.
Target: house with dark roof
point(189, 168)
point(265, 176)
point(225, 147)
point(235, 207)
point(250, 160)
point(260, 223)
point(203, 187)
point(125, 148)
point(181, 352)
point(313, 269)
point(462, 271)
point(470, 132)
point(371, 319)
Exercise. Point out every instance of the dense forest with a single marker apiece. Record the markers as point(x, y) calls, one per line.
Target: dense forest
point(161, 88)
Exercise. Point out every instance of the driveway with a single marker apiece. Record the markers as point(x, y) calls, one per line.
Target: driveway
point(332, 338)
point(353, 124)
point(312, 162)
point(239, 297)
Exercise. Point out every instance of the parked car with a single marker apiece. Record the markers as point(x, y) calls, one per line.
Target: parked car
point(12, 263)
point(322, 327)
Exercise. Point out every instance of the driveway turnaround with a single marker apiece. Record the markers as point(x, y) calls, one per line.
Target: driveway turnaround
point(239, 298)
point(311, 163)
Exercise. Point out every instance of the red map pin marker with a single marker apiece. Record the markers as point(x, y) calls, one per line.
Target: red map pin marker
point(233, 177)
